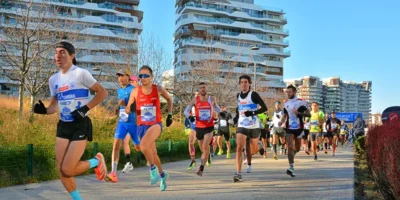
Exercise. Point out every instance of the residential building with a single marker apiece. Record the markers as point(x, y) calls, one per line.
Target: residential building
point(245, 38)
point(310, 88)
point(376, 119)
point(108, 33)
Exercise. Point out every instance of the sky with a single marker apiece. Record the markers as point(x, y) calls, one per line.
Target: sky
point(357, 40)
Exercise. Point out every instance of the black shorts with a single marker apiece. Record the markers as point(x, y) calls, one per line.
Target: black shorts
point(250, 133)
point(225, 133)
point(75, 131)
point(265, 133)
point(200, 132)
point(306, 133)
point(295, 132)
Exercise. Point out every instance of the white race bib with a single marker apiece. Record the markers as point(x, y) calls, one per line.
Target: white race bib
point(204, 115)
point(123, 117)
point(222, 123)
point(334, 125)
point(294, 123)
point(314, 122)
point(148, 113)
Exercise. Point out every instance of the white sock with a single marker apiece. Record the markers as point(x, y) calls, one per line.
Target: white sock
point(114, 167)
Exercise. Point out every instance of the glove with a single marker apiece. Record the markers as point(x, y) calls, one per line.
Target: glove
point(192, 118)
point(168, 121)
point(39, 108)
point(235, 120)
point(80, 113)
point(249, 113)
point(133, 107)
point(222, 114)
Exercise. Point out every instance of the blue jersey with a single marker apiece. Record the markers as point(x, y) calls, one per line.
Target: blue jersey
point(124, 94)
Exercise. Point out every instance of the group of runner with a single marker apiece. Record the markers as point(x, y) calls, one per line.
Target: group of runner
point(140, 119)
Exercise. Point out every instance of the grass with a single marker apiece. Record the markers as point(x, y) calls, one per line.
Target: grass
point(365, 186)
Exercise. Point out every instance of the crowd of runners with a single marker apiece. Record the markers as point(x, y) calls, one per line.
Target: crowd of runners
point(293, 124)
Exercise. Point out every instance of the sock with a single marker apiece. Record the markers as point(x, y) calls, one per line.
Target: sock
point(128, 158)
point(291, 166)
point(75, 195)
point(152, 167)
point(114, 167)
point(326, 146)
point(93, 163)
point(162, 174)
point(249, 164)
point(201, 167)
point(275, 148)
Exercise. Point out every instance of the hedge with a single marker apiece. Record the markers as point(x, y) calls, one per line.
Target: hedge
point(382, 152)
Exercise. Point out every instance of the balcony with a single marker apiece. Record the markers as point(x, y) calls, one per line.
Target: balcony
point(136, 13)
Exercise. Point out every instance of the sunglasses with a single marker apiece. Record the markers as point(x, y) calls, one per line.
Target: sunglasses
point(144, 75)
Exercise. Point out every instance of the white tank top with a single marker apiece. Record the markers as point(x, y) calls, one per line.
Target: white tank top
point(247, 105)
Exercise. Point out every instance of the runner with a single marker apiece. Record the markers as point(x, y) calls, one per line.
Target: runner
point(306, 136)
point(127, 150)
point(295, 109)
point(324, 140)
point(192, 137)
point(223, 130)
point(248, 124)
point(344, 131)
point(147, 98)
point(126, 124)
point(333, 127)
point(278, 132)
point(205, 106)
point(69, 89)
point(316, 121)
point(265, 134)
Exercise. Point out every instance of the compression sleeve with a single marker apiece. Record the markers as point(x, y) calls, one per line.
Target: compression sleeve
point(255, 97)
point(187, 110)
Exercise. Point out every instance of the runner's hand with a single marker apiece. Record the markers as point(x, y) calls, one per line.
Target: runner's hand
point(168, 121)
point(39, 108)
point(192, 118)
point(249, 113)
point(133, 107)
point(80, 113)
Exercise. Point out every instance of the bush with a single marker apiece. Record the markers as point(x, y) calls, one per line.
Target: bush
point(360, 145)
point(382, 152)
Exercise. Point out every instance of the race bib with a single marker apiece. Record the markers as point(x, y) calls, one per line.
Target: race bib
point(307, 126)
point(123, 117)
point(222, 123)
point(314, 122)
point(334, 125)
point(148, 113)
point(204, 115)
point(294, 123)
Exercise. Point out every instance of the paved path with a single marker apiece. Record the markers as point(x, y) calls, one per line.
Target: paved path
point(328, 178)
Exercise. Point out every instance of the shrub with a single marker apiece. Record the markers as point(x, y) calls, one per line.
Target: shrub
point(382, 152)
point(360, 145)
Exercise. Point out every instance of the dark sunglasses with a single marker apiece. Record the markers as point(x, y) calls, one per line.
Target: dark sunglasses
point(144, 76)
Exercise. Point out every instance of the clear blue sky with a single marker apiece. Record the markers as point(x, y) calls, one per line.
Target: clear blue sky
point(357, 40)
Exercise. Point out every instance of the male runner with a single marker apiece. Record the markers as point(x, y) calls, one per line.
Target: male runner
point(126, 124)
point(295, 109)
point(127, 150)
point(344, 131)
point(323, 141)
point(148, 110)
point(333, 127)
point(192, 137)
point(316, 121)
point(305, 137)
point(69, 89)
point(223, 130)
point(278, 132)
point(248, 124)
point(265, 134)
point(204, 106)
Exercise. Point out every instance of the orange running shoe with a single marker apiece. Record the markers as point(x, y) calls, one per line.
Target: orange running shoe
point(112, 177)
point(101, 169)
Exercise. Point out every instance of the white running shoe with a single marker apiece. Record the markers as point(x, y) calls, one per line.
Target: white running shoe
point(128, 167)
point(248, 169)
point(245, 161)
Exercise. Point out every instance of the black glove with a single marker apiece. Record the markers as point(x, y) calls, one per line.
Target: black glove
point(39, 108)
point(133, 107)
point(80, 113)
point(222, 114)
point(249, 113)
point(168, 121)
point(235, 120)
point(192, 118)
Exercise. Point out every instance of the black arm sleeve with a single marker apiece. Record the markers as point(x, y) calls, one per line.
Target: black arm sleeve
point(303, 111)
point(255, 97)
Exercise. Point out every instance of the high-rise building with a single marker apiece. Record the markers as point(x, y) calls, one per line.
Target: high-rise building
point(108, 33)
point(236, 32)
point(336, 95)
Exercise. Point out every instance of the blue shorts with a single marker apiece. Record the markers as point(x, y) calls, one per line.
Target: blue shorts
point(142, 129)
point(124, 128)
point(193, 126)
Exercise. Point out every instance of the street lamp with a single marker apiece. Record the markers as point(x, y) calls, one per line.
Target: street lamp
point(96, 69)
point(254, 48)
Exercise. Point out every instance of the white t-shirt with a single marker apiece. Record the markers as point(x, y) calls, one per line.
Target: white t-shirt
point(293, 122)
point(71, 90)
point(278, 115)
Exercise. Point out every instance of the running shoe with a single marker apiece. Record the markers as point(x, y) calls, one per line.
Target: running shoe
point(192, 165)
point(308, 153)
point(163, 182)
point(290, 172)
point(220, 152)
point(333, 154)
point(228, 155)
point(318, 148)
point(315, 157)
point(128, 167)
point(265, 154)
point(249, 169)
point(237, 178)
point(209, 161)
point(276, 157)
point(245, 161)
point(199, 172)
point(112, 177)
point(101, 169)
point(212, 155)
point(154, 176)
point(326, 152)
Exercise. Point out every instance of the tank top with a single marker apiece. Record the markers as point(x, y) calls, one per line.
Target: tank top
point(315, 118)
point(148, 107)
point(204, 112)
point(247, 104)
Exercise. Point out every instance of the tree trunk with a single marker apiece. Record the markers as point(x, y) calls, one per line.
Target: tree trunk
point(21, 99)
point(32, 103)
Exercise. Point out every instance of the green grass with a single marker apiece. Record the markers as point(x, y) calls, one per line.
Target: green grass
point(365, 186)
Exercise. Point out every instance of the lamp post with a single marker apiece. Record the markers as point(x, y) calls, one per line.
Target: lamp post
point(96, 69)
point(254, 48)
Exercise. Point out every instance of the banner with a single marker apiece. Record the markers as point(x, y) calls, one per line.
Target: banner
point(348, 117)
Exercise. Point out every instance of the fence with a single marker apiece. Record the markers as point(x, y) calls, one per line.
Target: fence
point(35, 163)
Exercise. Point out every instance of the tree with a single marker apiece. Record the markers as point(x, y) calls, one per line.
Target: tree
point(30, 31)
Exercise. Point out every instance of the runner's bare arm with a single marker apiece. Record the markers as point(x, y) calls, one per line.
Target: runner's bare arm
point(164, 93)
point(53, 107)
point(216, 106)
point(189, 107)
point(132, 99)
point(100, 95)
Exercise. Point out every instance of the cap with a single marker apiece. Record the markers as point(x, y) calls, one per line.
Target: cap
point(133, 78)
point(124, 72)
point(69, 47)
